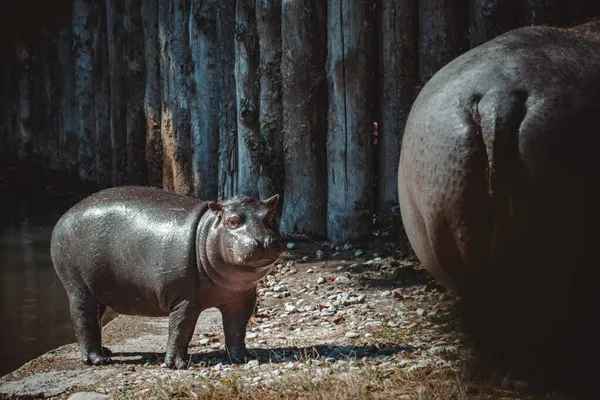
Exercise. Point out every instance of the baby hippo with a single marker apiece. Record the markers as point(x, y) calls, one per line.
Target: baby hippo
point(144, 251)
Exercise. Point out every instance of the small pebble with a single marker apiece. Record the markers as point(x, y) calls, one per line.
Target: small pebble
point(320, 280)
point(420, 312)
point(291, 246)
point(358, 253)
point(352, 335)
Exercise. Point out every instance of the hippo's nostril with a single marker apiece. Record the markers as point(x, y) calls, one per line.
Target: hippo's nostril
point(258, 244)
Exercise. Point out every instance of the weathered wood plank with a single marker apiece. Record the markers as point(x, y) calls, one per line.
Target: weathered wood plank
point(398, 88)
point(118, 108)
point(443, 33)
point(152, 95)
point(228, 165)
point(269, 153)
point(102, 102)
point(174, 66)
point(246, 78)
point(204, 98)
point(351, 71)
point(133, 58)
point(304, 116)
point(83, 28)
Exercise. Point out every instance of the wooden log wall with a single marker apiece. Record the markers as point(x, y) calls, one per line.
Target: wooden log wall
point(215, 98)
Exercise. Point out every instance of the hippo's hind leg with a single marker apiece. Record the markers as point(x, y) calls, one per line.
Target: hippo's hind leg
point(86, 316)
point(235, 320)
point(182, 322)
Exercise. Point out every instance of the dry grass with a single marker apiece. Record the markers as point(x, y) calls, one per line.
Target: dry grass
point(426, 383)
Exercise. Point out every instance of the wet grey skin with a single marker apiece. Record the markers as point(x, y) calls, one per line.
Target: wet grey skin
point(143, 251)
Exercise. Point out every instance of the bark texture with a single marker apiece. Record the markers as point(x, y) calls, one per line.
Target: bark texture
point(228, 161)
point(269, 155)
point(304, 116)
point(351, 75)
point(152, 94)
point(443, 33)
point(204, 102)
point(399, 81)
point(246, 79)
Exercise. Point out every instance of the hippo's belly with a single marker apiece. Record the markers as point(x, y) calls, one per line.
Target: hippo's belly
point(133, 252)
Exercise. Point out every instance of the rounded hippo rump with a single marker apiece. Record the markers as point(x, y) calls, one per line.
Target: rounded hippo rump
point(144, 251)
point(498, 188)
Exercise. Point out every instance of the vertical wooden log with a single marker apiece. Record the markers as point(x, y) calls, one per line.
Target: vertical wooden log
point(174, 66)
point(24, 126)
point(67, 118)
point(204, 98)
point(246, 77)
point(351, 72)
point(118, 95)
point(133, 57)
point(443, 33)
point(228, 163)
point(102, 96)
point(304, 111)
point(270, 154)
point(152, 96)
point(490, 18)
point(398, 88)
point(83, 27)
point(51, 66)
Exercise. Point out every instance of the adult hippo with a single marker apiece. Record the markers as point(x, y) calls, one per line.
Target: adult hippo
point(143, 251)
point(498, 189)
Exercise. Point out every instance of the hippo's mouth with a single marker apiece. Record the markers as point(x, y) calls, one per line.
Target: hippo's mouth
point(257, 262)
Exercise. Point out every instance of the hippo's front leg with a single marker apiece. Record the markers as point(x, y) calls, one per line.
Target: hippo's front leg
point(182, 322)
point(235, 319)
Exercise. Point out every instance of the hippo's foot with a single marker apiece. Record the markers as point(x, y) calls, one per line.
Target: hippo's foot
point(94, 358)
point(176, 362)
point(237, 354)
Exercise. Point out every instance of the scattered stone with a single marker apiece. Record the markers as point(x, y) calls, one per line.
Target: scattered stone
point(385, 293)
point(321, 280)
point(420, 312)
point(352, 335)
point(305, 258)
point(291, 308)
point(291, 246)
point(358, 253)
point(205, 341)
point(251, 335)
point(320, 254)
point(309, 271)
point(88, 396)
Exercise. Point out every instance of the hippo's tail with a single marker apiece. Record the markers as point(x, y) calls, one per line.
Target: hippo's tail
point(500, 113)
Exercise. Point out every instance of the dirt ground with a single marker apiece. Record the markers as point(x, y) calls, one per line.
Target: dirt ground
point(345, 322)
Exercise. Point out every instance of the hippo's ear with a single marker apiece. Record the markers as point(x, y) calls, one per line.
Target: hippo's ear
point(215, 207)
point(272, 202)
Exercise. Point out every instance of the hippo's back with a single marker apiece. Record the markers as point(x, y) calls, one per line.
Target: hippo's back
point(131, 247)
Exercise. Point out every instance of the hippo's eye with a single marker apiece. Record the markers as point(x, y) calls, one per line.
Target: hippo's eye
point(233, 222)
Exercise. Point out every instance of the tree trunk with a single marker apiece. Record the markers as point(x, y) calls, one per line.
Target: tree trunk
point(228, 177)
point(101, 69)
point(352, 63)
point(174, 66)
point(204, 104)
point(246, 77)
point(24, 125)
point(304, 113)
point(152, 96)
point(67, 118)
point(118, 108)
point(490, 18)
point(133, 58)
point(270, 156)
point(443, 33)
point(398, 87)
point(83, 28)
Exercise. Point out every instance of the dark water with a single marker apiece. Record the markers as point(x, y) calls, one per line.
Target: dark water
point(34, 310)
